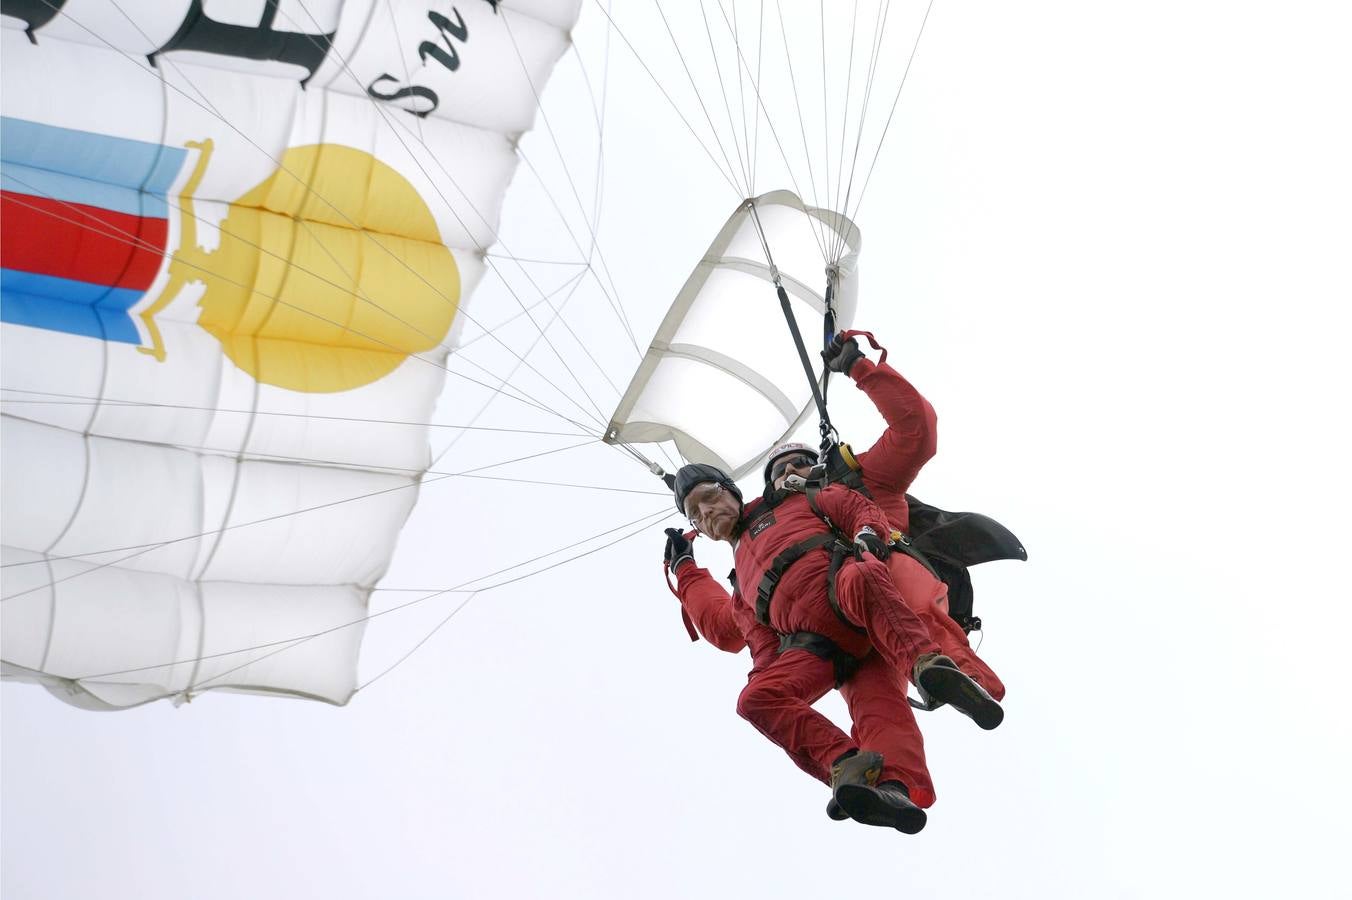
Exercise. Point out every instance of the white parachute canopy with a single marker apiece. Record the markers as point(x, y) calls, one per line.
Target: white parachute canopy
point(722, 378)
point(232, 239)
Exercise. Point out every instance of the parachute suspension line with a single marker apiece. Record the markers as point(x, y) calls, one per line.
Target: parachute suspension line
point(825, 425)
point(676, 109)
point(611, 294)
point(286, 643)
point(281, 168)
point(818, 228)
point(379, 467)
point(741, 105)
point(600, 117)
point(505, 380)
point(142, 549)
point(208, 106)
point(668, 479)
point(136, 241)
point(837, 208)
point(826, 111)
point(879, 27)
point(85, 400)
point(539, 262)
point(295, 642)
point(727, 107)
point(615, 304)
point(416, 647)
point(567, 285)
point(598, 114)
point(905, 72)
point(813, 224)
point(760, 57)
point(731, 170)
point(597, 416)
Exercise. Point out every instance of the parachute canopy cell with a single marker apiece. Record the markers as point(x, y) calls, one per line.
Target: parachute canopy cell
point(226, 242)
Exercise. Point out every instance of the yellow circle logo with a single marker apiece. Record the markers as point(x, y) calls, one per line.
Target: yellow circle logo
point(329, 274)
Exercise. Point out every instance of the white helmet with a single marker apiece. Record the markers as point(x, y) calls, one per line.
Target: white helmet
point(792, 448)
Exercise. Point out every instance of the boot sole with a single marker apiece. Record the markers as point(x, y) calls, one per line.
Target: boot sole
point(963, 694)
point(864, 805)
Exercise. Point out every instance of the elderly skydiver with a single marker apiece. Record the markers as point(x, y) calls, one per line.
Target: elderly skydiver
point(790, 549)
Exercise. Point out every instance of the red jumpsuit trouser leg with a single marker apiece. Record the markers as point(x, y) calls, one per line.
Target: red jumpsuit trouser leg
point(928, 598)
point(868, 597)
point(778, 700)
point(883, 721)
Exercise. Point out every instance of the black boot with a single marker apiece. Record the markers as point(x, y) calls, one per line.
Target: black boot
point(852, 768)
point(940, 681)
point(888, 805)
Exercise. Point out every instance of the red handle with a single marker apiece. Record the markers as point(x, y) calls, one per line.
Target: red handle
point(846, 335)
point(666, 573)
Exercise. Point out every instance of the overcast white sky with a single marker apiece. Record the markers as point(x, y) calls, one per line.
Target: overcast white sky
point(1111, 244)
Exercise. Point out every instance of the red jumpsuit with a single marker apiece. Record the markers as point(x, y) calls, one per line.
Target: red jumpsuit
point(781, 688)
point(889, 467)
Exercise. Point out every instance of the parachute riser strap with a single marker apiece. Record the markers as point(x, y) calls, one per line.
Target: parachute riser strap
point(803, 357)
point(828, 334)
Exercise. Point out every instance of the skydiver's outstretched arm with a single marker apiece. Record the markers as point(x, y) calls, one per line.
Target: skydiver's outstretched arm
point(911, 438)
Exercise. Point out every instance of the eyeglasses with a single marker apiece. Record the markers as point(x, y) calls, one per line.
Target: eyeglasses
point(802, 461)
point(696, 499)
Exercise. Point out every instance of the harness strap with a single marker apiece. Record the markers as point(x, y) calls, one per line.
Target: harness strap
point(822, 647)
point(902, 544)
point(778, 566)
point(839, 553)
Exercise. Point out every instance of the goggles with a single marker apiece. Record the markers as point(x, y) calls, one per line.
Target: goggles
point(798, 461)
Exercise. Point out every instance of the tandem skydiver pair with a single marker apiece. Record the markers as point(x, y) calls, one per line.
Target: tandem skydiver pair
point(829, 590)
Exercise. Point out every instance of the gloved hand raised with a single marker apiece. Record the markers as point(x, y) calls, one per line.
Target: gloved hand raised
point(840, 356)
point(678, 549)
point(868, 540)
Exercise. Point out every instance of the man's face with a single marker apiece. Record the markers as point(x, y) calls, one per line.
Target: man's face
point(798, 464)
point(713, 510)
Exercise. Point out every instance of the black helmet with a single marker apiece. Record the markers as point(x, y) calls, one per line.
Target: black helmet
point(699, 473)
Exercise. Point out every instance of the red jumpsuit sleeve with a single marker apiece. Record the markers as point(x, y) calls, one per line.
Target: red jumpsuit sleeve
point(850, 511)
point(710, 607)
point(722, 618)
point(911, 438)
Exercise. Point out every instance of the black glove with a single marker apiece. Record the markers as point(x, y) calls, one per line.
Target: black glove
point(840, 356)
point(867, 539)
point(678, 549)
